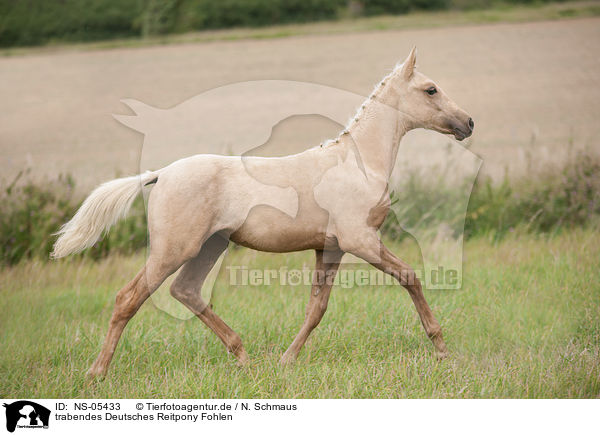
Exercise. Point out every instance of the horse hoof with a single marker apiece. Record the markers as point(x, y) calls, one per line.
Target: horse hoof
point(287, 360)
point(243, 360)
point(441, 355)
point(94, 373)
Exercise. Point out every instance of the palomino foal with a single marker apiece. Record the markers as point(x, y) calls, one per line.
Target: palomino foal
point(333, 200)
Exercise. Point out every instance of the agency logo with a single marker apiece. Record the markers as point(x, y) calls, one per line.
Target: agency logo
point(25, 414)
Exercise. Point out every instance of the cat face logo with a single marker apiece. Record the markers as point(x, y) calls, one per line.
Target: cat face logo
point(26, 414)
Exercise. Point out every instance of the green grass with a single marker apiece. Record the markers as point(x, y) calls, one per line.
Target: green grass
point(501, 13)
point(526, 324)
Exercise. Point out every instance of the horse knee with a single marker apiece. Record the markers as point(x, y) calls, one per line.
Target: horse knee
point(322, 307)
point(314, 315)
point(312, 321)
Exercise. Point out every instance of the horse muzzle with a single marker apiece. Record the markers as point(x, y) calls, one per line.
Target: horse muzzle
point(463, 131)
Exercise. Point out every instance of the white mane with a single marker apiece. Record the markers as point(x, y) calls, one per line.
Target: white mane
point(354, 119)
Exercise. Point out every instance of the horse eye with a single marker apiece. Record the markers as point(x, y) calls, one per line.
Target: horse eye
point(431, 90)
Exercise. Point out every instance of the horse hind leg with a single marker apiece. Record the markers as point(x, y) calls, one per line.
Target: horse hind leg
point(187, 289)
point(128, 301)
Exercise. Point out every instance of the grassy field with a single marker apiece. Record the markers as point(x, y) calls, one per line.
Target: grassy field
point(526, 324)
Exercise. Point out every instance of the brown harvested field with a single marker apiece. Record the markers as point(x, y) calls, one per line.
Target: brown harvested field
point(530, 87)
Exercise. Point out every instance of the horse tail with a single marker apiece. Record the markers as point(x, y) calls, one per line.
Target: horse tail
point(102, 209)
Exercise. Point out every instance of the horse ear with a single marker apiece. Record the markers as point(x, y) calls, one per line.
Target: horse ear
point(409, 64)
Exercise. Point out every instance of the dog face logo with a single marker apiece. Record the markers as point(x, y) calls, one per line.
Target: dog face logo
point(26, 414)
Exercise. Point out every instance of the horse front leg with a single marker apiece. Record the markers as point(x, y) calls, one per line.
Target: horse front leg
point(372, 250)
point(325, 271)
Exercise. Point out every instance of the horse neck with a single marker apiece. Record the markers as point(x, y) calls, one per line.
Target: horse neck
point(376, 130)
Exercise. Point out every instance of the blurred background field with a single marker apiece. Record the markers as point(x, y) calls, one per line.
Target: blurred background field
point(30, 22)
point(526, 321)
point(530, 87)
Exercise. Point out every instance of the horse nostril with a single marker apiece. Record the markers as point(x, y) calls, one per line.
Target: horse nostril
point(471, 123)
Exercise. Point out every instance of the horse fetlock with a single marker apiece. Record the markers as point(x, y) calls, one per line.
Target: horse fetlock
point(435, 333)
point(441, 351)
point(235, 345)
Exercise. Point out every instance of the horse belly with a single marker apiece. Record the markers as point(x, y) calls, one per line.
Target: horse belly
point(268, 229)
